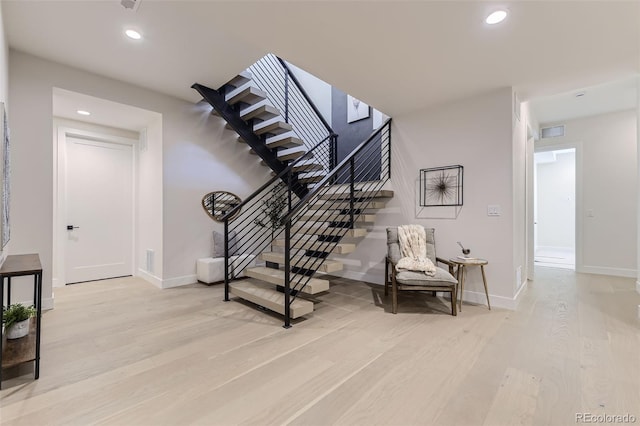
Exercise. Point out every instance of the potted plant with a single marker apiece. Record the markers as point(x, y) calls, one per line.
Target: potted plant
point(16, 320)
point(274, 209)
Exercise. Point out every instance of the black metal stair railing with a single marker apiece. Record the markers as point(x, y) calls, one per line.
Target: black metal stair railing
point(250, 227)
point(273, 76)
point(317, 223)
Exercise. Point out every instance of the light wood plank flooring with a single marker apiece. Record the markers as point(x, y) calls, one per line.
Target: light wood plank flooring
point(121, 352)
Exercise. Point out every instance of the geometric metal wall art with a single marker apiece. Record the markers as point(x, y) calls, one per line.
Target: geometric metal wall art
point(441, 186)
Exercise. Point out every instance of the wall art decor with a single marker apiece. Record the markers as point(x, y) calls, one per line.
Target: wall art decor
point(441, 186)
point(219, 203)
point(356, 109)
point(5, 173)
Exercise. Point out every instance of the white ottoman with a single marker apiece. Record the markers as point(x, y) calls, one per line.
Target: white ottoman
point(210, 269)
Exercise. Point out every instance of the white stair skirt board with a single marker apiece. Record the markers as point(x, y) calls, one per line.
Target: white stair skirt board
point(265, 295)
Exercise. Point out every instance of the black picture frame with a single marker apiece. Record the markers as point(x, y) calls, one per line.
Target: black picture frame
point(441, 186)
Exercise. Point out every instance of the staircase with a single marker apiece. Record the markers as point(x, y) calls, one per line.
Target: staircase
point(312, 208)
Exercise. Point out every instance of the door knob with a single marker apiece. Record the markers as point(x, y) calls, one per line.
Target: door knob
point(71, 227)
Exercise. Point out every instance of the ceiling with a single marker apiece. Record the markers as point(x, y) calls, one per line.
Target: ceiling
point(618, 95)
point(103, 112)
point(398, 56)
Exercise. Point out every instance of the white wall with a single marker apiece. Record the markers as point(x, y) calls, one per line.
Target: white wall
point(556, 190)
point(477, 134)
point(609, 189)
point(318, 90)
point(4, 83)
point(198, 155)
point(519, 171)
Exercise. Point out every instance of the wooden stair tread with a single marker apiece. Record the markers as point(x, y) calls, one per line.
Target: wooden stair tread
point(263, 294)
point(383, 193)
point(311, 176)
point(247, 93)
point(330, 216)
point(319, 229)
point(291, 153)
point(273, 126)
point(321, 246)
point(261, 110)
point(276, 276)
point(328, 266)
point(241, 79)
point(342, 205)
point(307, 166)
point(283, 139)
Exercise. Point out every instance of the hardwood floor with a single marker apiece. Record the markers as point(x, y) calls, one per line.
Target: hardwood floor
point(121, 352)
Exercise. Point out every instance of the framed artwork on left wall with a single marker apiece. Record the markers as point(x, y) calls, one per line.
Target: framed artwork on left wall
point(5, 174)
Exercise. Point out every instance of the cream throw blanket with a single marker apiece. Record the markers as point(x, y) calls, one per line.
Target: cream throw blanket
point(413, 247)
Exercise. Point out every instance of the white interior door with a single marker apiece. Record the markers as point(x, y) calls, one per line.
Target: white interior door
point(99, 185)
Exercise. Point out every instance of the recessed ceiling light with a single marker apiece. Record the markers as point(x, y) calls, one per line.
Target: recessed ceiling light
point(83, 112)
point(133, 34)
point(496, 17)
point(580, 94)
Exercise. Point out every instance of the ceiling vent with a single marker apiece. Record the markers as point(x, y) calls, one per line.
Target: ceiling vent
point(131, 4)
point(552, 132)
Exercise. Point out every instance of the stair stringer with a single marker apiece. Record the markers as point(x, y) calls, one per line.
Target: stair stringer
point(244, 130)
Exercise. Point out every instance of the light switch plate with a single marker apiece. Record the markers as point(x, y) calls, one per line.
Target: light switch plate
point(494, 210)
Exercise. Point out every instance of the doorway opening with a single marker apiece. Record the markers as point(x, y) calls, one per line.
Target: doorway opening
point(555, 208)
point(106, 191)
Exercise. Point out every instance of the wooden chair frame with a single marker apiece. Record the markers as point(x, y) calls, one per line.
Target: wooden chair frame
point(390, 278)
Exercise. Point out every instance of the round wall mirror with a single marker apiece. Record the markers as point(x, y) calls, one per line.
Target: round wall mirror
point(219, 203)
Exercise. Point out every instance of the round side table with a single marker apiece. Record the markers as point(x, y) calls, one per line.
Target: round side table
point(461, 274)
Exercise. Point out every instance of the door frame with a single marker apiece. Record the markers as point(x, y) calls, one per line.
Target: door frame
point(542, 145)
point(60, 194)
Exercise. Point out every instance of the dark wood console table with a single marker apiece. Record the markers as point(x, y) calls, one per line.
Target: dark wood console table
point(27, 348)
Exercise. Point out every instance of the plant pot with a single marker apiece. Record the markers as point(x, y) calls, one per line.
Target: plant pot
point(18, 330)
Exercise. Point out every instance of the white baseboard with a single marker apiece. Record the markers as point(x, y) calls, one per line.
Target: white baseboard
point(169, 282)
point(496, 301)
point(150, 278)
point(47, 303)
point(179, 281)
point(520, 292)
point(603, 270)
